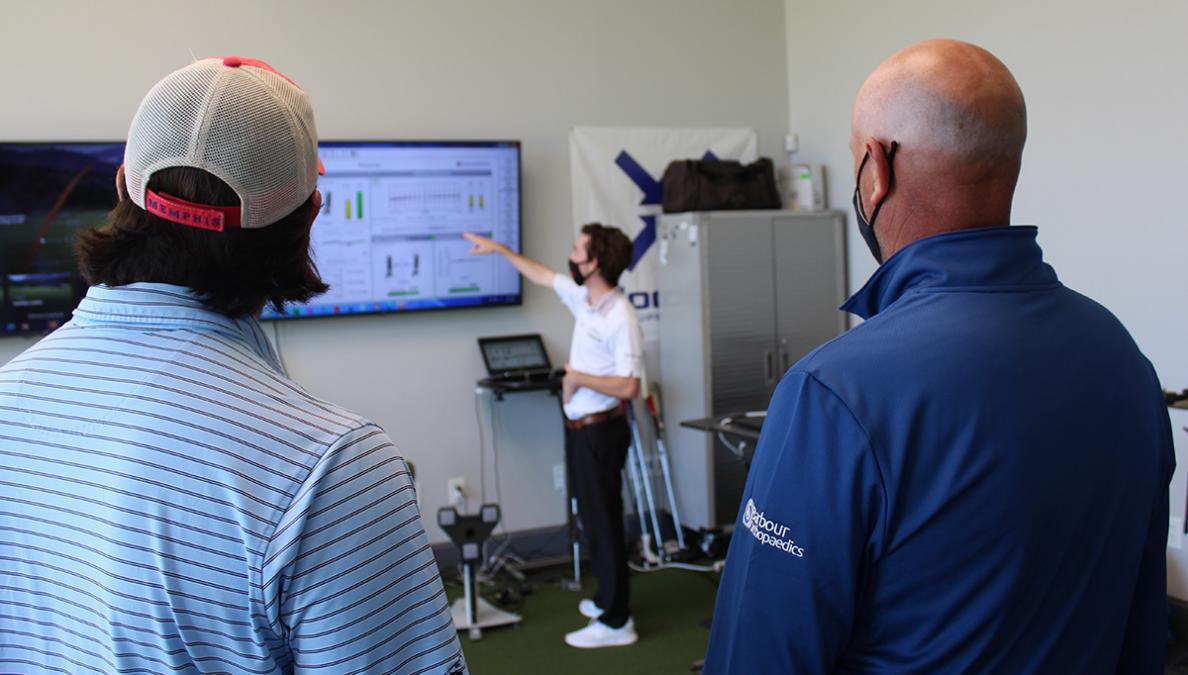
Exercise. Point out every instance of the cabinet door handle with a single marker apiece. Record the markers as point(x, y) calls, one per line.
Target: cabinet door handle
point(769, 360)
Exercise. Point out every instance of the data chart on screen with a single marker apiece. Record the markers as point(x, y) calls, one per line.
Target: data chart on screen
point(389, 234)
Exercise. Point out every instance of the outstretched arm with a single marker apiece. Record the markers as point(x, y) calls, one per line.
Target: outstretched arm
point(533, 271)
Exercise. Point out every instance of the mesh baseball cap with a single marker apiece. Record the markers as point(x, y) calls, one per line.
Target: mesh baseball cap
point(238, 119)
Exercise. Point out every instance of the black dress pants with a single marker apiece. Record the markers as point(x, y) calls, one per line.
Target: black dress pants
point(595, 455)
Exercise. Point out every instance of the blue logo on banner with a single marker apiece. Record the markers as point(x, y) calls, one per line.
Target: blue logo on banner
point(653, 194)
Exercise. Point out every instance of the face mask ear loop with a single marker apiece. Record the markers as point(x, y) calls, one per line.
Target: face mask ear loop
point(858, 188)
point(890, 180)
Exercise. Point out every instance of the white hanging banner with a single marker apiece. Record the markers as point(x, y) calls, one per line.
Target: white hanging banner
point(616, 176)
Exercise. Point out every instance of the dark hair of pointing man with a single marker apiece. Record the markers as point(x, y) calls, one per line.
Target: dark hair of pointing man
point(170, 501)
point(974, 479)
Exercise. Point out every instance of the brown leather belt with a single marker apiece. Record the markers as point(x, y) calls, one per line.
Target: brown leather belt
point(595, 418)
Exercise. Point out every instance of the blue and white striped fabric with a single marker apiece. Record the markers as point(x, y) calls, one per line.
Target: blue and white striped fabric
point(170, 502)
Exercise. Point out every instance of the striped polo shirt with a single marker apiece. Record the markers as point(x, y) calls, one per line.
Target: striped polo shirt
point(170, 502)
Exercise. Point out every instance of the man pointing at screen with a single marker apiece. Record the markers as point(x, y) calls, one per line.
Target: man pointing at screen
point(604, 370)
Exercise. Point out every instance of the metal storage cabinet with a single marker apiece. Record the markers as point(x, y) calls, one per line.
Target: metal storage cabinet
point(743, 295)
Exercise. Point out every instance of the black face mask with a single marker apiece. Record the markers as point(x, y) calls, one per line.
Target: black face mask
point(864, 227)
point(576, 273)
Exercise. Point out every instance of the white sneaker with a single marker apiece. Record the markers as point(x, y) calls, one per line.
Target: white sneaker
point(589, 609)
point(598, 634)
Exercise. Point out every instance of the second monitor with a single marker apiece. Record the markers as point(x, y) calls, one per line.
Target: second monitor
point(389, 237)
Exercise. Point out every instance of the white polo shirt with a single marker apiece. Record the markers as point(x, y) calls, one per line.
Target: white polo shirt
point(607, 341)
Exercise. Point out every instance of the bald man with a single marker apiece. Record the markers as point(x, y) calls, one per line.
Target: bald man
point(973, 480)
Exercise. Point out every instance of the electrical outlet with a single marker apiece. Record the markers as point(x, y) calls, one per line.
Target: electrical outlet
point(455, 488)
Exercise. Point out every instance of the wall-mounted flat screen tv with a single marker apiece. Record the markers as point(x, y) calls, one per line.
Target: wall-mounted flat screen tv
point(389, 237)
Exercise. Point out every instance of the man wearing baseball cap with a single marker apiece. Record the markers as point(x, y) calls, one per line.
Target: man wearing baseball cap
point(171, 500)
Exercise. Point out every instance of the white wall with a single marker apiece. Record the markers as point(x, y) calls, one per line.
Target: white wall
point(1105, 170)
point(526, 69)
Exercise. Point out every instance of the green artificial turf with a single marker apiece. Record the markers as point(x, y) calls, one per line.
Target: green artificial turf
point(671, 610)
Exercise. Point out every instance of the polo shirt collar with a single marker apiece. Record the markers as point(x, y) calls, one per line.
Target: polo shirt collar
point(990, 258)
point(604, 302)
point(154, 306)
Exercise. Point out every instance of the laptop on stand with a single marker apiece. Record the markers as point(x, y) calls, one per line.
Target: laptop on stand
point(517, 361)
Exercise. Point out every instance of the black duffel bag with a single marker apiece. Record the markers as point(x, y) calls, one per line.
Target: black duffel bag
point(719, 185)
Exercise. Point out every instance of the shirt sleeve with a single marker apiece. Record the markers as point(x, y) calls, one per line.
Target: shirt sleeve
point(571, 294)
point(349, 582)
point(626, 344)
point(1145, 640)
point(808, 532)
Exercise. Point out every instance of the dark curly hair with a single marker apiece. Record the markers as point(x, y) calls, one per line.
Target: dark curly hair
point(235, 272)
point(611, 248)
